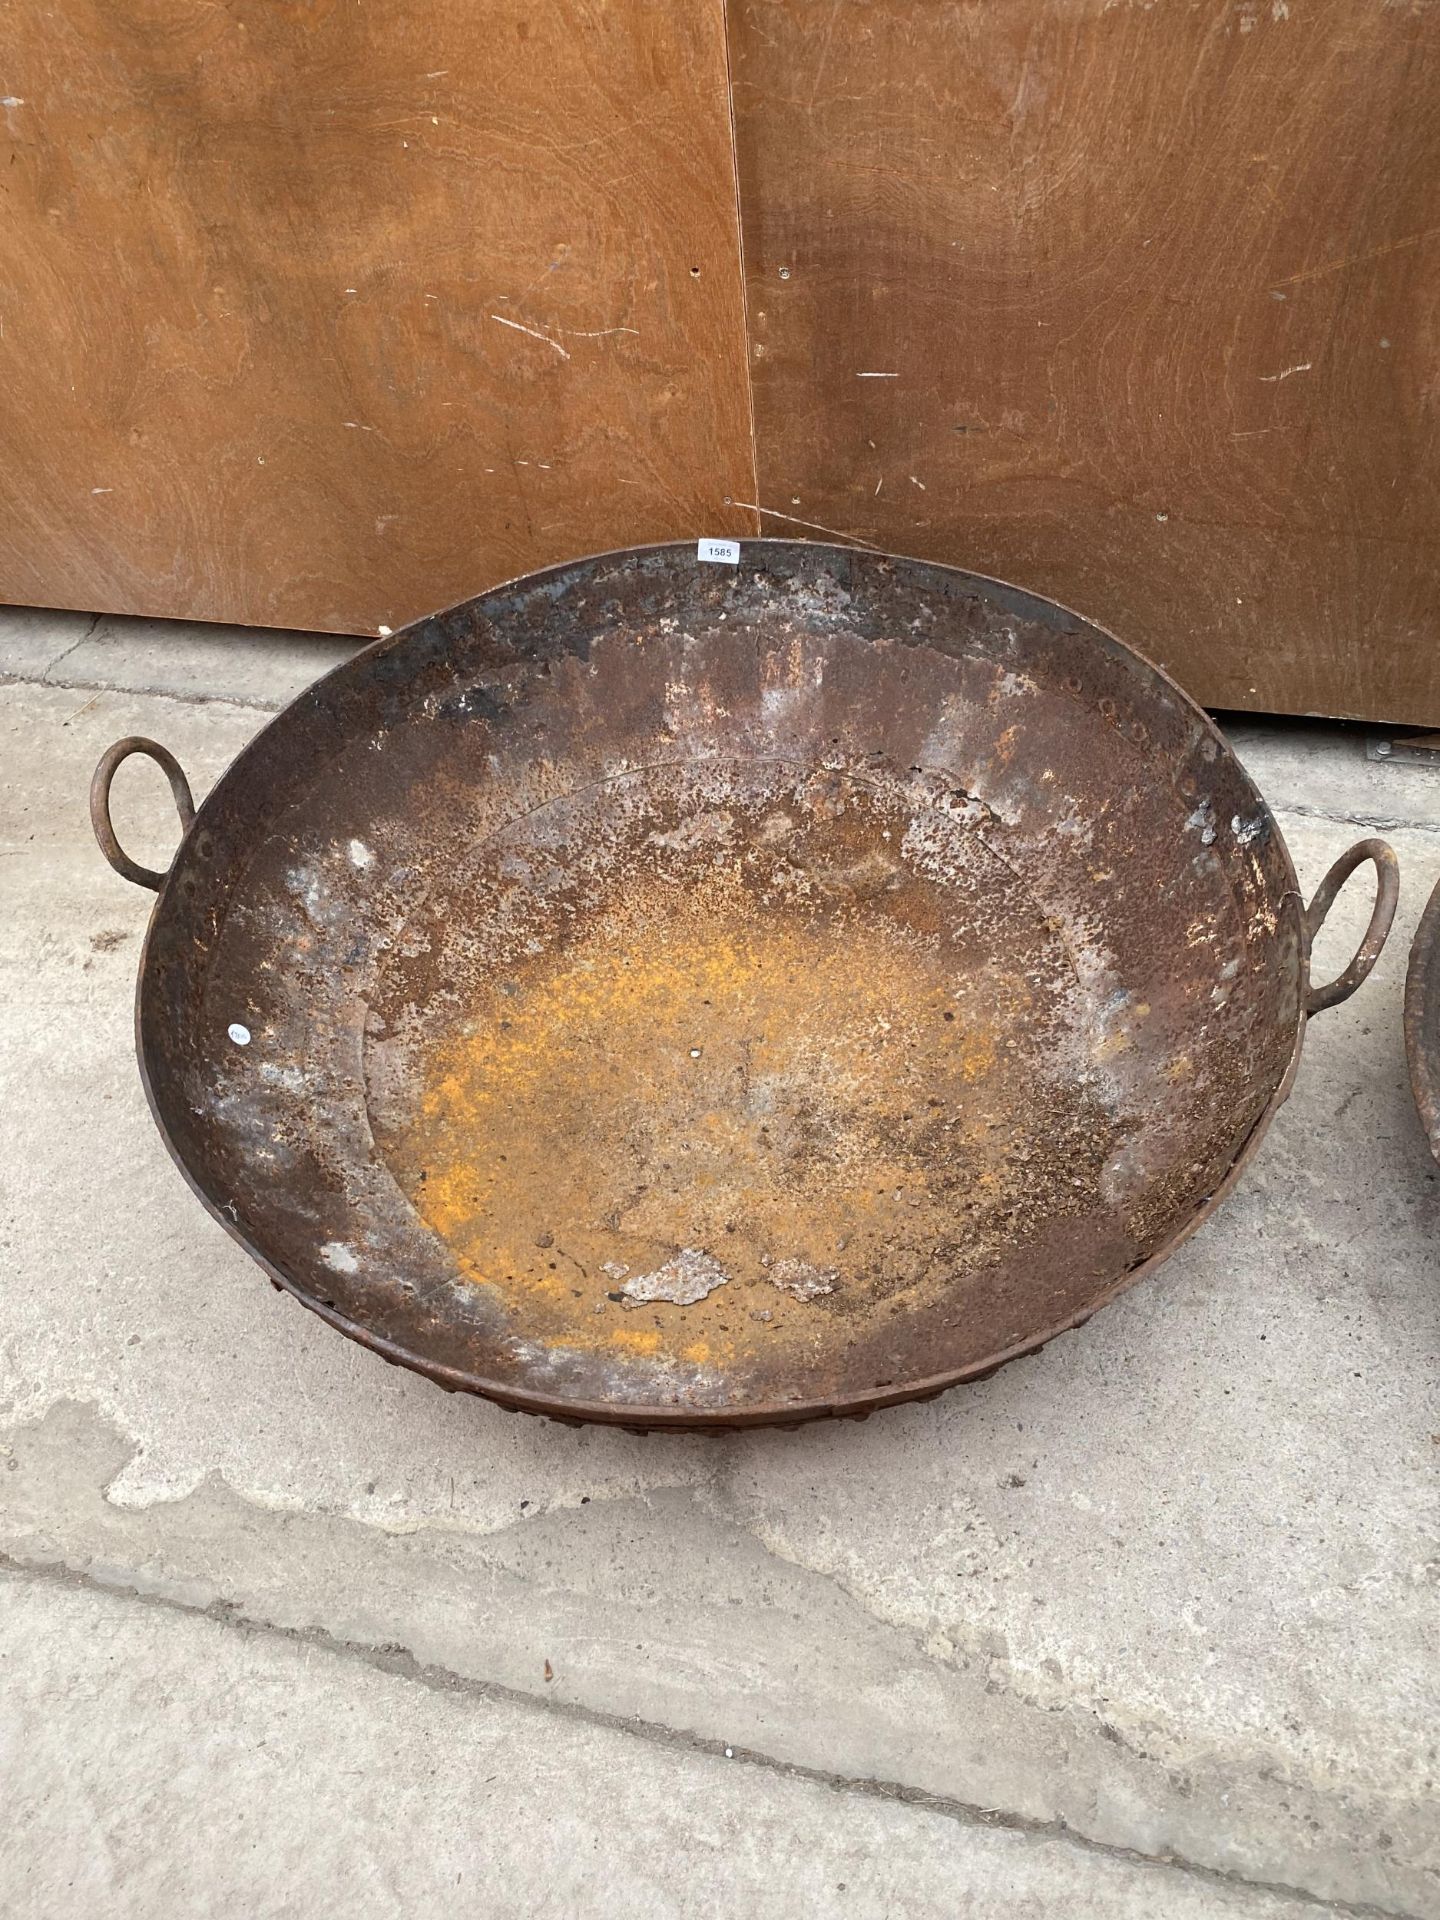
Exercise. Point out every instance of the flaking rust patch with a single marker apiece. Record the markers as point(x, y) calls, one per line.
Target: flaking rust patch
point(802, 1281)
point(689, 1277)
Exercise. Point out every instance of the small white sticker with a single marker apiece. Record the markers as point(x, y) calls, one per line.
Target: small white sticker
point(240, 1035)
point(721, 553)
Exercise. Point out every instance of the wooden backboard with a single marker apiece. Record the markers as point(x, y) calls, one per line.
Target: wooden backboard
point(1135, 302)
point(326, 315)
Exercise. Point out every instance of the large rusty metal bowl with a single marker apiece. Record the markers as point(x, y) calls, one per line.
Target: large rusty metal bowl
point(692, 995)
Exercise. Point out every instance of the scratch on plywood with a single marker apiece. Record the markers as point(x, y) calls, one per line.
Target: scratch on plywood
point(821, 63)
point(836, 533)
point(533, 333)
point(1301, 366)
point(1360, 259)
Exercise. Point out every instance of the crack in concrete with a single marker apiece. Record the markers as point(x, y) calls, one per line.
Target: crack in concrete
point(987, 1743)
point(1377, 822)
point(65, 652)
point(142, 693)
point(396, 1660)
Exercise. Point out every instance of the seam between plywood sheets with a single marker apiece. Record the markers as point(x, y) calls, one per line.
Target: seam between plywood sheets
point(757, 526)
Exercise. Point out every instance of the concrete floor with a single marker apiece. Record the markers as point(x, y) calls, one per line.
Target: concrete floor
point(1144, 1625)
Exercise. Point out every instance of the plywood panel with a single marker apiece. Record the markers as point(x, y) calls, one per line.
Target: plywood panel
point(326, 314)
point(1136, 302)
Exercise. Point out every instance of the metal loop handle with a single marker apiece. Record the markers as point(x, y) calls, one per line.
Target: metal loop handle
point(1387, 895)
point(100, 805)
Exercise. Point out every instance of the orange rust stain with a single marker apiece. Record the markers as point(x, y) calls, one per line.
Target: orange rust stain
point(634, 1340)
point(757, 1086)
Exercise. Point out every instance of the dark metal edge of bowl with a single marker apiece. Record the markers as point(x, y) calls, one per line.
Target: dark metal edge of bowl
point(1422, 1019)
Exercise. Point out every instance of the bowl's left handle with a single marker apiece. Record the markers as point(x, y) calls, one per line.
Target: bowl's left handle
point(1387, 893)
point(100, 805)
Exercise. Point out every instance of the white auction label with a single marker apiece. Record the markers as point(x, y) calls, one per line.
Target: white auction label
point(723, 553)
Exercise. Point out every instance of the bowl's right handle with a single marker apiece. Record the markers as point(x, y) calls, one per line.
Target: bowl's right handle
point(1387, 895)
point(100, 805)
